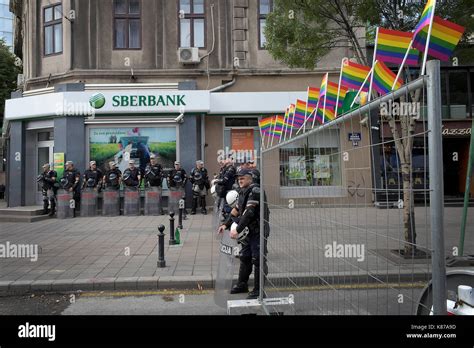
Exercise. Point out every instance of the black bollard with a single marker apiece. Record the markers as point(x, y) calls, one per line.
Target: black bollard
point(172, 240)
point(161, 247)
point(180, 216)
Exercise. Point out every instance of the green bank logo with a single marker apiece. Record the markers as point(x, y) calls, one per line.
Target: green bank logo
point(97, 101)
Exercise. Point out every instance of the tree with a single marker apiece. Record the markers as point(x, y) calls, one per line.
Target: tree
point(8, 75)
point(301, 32)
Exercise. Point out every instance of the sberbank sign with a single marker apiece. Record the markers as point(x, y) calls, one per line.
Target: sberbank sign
point(148, 100)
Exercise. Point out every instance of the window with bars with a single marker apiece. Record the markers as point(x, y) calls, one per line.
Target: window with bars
point(53, 29)
point(192, 23)
point(264, 8)
point(127, 24)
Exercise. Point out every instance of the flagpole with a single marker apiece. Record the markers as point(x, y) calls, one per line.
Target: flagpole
point(306, 111)
point(305, 121)
point(285, 123)
point(403, 64)
point(316, 113)
point(324, 105)
point(374, 61)
point(261, 133)
point(273, 133)
point(269, 134)
point(428, 40)
point(282, 128)
point(292, 122)
point(344, 60)
point(362, 87)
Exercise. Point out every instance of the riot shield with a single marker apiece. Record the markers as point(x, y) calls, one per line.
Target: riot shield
point(225, 269)
point(131, 206)
point(175, 194)
point(217, 213)
point(65, 204)
point(88, 202)
point(153, 201)
point(111, 202)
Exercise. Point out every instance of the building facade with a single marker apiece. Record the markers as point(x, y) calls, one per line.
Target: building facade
point(187, 79)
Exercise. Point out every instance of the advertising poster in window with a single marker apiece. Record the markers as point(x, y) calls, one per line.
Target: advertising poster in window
point(243, 144)
point(322, 167)
point(297, 167)
point(123, 144)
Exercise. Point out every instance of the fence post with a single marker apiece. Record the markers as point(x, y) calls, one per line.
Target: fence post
point(435, 145)
point(262, 228)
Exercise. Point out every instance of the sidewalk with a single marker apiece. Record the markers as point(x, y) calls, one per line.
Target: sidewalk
point(121, 253)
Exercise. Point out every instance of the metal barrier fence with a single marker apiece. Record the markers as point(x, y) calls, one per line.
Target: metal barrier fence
point(354, 230)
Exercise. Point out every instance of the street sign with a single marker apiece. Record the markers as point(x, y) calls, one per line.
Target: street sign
point(355, 138)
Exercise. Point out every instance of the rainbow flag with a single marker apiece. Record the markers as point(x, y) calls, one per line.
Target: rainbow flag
point(291, 116)
point(313, 97)
point(331, 95)
point(326, 115)
point(384, 78)
point(299, 114)
point(426, 17)
point(445, 36)
point(278, 128)
point(265, 124)
point(353, 76)
point(392, 46)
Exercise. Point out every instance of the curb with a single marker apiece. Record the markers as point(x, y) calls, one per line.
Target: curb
point(23, 287)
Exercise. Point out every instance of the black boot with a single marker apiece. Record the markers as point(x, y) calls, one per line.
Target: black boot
point(256, 288)
point(203, 206)
point(53, 209)
point(45, 207)
point(244, 274)
point(194, 207)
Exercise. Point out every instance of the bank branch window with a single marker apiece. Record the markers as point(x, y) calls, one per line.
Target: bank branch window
point(53, 29)
point(314, 161)
point(121, 144)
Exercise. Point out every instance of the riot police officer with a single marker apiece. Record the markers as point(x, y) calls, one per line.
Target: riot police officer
point(255, 172)
point(200, 181)
point(92, 177)
point(177, 179)
point(225, 183)
point(131, 175)
point(112, 177)
point(247, 231)
point(154, 175)
point(71, 182)
point(49, 189)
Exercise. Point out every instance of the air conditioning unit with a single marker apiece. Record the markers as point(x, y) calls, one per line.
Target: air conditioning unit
point(188, 55)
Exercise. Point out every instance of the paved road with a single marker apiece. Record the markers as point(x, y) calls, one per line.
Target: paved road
point(309, 302)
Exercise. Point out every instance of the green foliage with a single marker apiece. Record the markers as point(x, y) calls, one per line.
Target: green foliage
point(8, 75)
point(300, 32)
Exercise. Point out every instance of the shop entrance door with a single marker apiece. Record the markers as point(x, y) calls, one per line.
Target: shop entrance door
point(454, 156)
point(44, 154)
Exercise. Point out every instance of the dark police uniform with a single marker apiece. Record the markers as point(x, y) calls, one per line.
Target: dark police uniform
point(179, 172)
point(132, 175)
point(225, 180)
point(73, 178)
point(116, 184)
point(96, 175)
point(200, 180)
point(154, 175)
point(49, 189)
point(248, 207)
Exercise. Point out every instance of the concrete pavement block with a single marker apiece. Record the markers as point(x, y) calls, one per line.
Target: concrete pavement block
point(4, 286)
point(42, 285)
point(147, 283)
point(126, 283)
point(104, 284)
point(83, 285)
point(63, 285)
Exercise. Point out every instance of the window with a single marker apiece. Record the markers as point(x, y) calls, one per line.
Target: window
point(264, 8)
point(127, 24)
point(192, 23)
point(311, 162)
point(53, 29)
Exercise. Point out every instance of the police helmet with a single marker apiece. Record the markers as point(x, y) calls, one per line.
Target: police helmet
point(213, 192)
point(231, 198)
point(91, 182)
point(112, 176)
point(242, 235)
point(64, 183)
point(197, 176)
point(126, 176)
point(177, 179)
